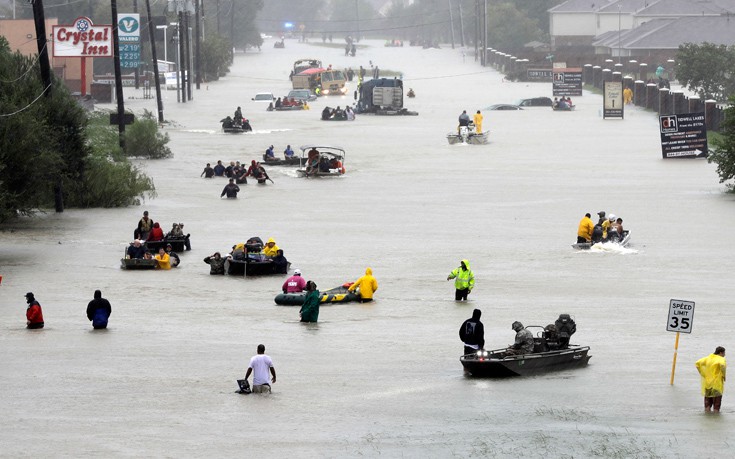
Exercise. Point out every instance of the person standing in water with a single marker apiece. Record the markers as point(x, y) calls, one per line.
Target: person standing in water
point(98, 311)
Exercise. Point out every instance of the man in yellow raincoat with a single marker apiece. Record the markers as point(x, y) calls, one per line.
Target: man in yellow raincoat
point(367, 285)
point(464, 280)
point(477, 119)
point(271, 249)
point(712, 369)
point(584, 232)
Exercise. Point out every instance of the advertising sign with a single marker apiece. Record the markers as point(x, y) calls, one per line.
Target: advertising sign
point(683, 135)
point(82, 39)
point(681, 316)
point(539, 74)
point(567, 81)
point(128, 31)
point(612, 106)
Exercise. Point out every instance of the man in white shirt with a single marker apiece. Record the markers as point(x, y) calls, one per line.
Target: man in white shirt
point(259, 366)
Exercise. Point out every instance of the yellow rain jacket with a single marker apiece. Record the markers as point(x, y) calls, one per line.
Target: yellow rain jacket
point(164, 261)
point(712, 369)
point(367, 284)
point(270, 251)
point(477, 119)
point(463, 279)
point(586, 226)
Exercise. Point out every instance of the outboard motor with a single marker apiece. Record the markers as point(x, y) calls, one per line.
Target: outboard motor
point(464, 133)
point(254, 245)
point(597, 234)
point(565, 328)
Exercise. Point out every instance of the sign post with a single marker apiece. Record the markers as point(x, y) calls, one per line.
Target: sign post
point(82, 39)
point(680, 320)
point(612, 100)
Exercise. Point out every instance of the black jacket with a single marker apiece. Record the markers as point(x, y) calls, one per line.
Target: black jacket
point(472, 332)
point(98, 303)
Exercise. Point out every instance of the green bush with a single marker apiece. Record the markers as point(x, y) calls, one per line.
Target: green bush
point(143, 140)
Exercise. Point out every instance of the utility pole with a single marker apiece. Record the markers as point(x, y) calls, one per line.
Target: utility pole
point(357, 17)
point(197, 64)
point(137, 68)
point(232, 29)
point(180, 65)
point(41, 42)
point(118, 76)
point(451, 22)
point(218, 30)
point(477, 27)
point(187, 32)
point(151, 33)
point(461, 25)
point(483, 56)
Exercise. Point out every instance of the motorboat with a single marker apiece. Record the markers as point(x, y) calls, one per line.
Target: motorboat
point(551, 352)
point(250, 261)
point(339, 294)
point(178, 244)
point(497, 364)
point(587, 245)
point(292, 161)
point(138, 263)
point(568, 108)
point(467, 135)
point(321, 161)
point(230, 127)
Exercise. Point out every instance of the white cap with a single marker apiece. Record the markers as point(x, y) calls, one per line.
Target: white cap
point(612, 217)
point(296, 272)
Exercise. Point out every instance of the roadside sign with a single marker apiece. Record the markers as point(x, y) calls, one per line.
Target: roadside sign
point(612, 100)
point(681, 316)
point(566, 81)
point(128, 29)
point(683, 135)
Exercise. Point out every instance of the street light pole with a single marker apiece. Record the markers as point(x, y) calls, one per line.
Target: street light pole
point(619, 15)
point(165, 43)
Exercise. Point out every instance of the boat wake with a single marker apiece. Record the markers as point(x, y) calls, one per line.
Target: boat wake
point(610, 247)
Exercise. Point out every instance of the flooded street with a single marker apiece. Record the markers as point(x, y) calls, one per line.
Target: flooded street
point(380, 379)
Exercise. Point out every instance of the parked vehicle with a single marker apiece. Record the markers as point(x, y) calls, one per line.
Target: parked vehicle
point(535, 102)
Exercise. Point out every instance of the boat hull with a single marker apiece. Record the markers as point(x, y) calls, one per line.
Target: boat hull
point(282, 162)
point(588, 245)
point(253, 268)
point(177, 245)
point(471, 139)
point(496, 365)
point(335, 295)
point(137, 263)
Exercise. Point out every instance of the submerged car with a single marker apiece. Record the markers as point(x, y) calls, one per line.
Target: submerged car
point(535, 102)
point(264, 97)
point(304, 95)
point(503, 107)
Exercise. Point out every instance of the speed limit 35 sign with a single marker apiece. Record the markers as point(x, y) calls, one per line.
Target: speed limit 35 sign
point(681, 316)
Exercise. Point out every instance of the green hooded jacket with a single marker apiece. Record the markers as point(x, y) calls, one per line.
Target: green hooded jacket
point(463, 279)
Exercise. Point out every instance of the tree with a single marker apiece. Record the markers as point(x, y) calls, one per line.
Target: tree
point(724, 152)
point(707, 69)
point(510, 28)
point(46, 142)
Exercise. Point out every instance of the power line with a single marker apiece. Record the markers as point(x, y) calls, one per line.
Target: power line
point(5, 115)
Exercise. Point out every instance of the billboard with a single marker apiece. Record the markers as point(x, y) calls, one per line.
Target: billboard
point(82, 39)
point(683, 135)
point(538, 74)
point(567, 81)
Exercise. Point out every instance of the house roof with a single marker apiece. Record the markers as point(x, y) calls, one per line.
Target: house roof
point(579, 6)
point(674, 8)
point(626, 6)
point(670, 33)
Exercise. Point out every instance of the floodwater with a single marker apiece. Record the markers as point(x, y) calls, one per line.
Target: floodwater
point(381, 379)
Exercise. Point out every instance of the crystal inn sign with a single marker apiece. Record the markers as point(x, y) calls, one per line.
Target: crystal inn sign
point(82, 39)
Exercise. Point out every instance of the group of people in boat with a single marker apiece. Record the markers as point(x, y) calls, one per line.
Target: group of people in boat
point(563, 103)
point(316, 162)
point(475, 122)
point(150, 231)
point(607, 229)
point(270, 153)
point(288, 102)
point(236, 171)
point(554, 337)
point(348, 114)
point(253, 250)
point(236, 121)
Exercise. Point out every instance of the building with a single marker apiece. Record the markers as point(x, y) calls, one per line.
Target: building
point(21, 35)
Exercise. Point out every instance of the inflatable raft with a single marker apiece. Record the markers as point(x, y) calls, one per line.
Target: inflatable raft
point(336, 295)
